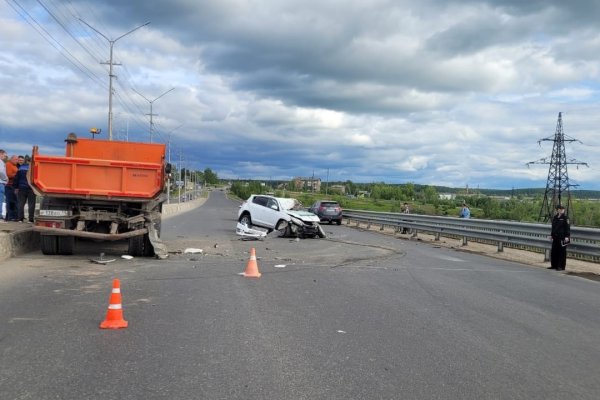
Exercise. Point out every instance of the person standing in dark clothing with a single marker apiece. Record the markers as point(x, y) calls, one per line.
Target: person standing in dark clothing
point(24, 193)
point(3, 180)
point(560, 234)
point(12, 167)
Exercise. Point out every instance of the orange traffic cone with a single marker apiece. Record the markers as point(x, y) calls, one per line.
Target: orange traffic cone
point(114, 316)
point(252, 266)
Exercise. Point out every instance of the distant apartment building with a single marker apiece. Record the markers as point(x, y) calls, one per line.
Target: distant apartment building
point(310, 184)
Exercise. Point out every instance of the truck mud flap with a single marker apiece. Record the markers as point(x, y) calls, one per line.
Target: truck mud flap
point(160, 249)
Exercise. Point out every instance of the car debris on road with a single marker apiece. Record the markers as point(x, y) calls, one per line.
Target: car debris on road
point(102, 260)
point(249, 233)
point(191, 250)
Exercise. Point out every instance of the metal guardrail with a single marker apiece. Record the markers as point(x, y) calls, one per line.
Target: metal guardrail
point(585, 242)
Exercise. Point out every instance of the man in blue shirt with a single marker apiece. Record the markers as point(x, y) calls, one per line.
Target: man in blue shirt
point(465, 212)
point(24, 193)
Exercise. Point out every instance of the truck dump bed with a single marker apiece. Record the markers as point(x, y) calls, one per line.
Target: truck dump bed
point(101, 169)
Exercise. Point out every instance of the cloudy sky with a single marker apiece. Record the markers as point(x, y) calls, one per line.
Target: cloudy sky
point(437, 92)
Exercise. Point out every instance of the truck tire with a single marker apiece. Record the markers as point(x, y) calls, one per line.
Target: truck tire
point(148, 250)
point(49, 244)
point(136, 246)
point(65, 245)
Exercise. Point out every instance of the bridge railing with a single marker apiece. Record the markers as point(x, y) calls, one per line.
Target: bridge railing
point(585, 242)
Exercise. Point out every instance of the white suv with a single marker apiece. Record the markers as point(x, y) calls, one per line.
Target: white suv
point(281, 214)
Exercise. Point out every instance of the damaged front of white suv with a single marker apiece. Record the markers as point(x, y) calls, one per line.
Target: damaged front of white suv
point(283, 215)
point(302, 223)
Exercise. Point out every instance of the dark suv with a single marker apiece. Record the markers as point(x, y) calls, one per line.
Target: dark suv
point(327, 210)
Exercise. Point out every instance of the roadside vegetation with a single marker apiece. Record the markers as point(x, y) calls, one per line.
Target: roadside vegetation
point(521, 205)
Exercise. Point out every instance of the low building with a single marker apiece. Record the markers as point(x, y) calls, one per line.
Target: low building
point(447, 196)
point(311, 184)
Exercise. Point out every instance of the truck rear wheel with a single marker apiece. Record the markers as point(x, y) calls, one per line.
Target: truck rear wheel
point(140, 246)
point(65, 245)
point(136, 246)
point(49, 244)
point(148, 248)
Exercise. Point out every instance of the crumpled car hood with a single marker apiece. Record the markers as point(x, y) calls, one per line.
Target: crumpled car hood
point(303, 215)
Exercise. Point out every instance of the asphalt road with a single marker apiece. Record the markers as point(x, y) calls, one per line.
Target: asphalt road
point(355, 316)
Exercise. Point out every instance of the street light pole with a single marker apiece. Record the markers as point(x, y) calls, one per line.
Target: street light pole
point(110, 71)
point(169, 178)
point(178, 183)
point(151, 115)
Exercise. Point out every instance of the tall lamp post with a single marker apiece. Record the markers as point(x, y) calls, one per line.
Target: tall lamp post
point(110, 70)
point(169, 161)
point(151, 115)
point(179, 182)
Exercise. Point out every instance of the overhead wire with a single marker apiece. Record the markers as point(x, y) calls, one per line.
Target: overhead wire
point(52, 41)
point(64, 13)
point(99, 42)
point(67, 30)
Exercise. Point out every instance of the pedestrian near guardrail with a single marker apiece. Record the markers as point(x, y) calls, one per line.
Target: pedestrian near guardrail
point(405, 210)
point(464, 211)
point(561, 236)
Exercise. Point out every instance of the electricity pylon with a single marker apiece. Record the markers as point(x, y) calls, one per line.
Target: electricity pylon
point(557, 184)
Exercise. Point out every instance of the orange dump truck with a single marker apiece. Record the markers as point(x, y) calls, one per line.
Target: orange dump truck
point(106, 190)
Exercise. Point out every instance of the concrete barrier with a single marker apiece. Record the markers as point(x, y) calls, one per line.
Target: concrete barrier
point(17, 238)
point(176, 208)
point(13, 243)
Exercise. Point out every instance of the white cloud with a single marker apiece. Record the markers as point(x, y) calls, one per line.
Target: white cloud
point(414, 163)
point(431, 92)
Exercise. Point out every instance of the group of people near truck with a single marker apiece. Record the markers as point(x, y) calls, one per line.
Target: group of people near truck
point(15, 189)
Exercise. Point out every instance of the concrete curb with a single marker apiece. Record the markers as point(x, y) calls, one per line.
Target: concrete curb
point(14, 243)
point(18, 242)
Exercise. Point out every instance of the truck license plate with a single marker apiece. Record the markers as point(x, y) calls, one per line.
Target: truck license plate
point(55, 213)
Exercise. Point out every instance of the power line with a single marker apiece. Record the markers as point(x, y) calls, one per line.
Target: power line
point(62, 25)
point(52, 41)
point(151, 114)
point(110, 72)
point(63, 13)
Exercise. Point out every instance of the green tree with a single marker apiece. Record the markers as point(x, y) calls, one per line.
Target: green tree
point(431, 195)
point(293, 187)
point(210, 177)
point(350, 187)
point(243, 190)
point(409, 191)
point(199, 176)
